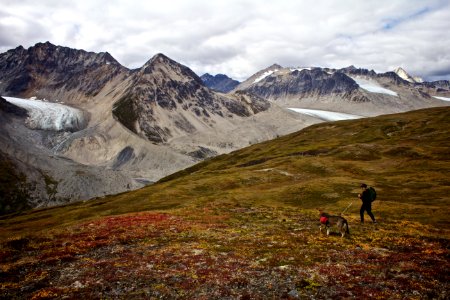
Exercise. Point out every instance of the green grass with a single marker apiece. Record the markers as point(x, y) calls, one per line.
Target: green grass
point(244, 224)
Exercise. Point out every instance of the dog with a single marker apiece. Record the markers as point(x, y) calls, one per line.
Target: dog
point(327, 221)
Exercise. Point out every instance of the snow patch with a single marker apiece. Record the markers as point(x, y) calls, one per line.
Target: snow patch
point(373, 86)
point(325, 115)
point(50, 116)
point(264, 75)
point(300, 69)
point(442, 98)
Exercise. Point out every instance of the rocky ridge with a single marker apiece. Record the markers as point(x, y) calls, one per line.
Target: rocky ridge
point(220, 82)
point(348, 90)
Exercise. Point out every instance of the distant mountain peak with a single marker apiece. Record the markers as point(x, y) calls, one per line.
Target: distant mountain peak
point(220, 82)
point(405, 76)
point(168, 68)
point(160, 58)
point(275, 66)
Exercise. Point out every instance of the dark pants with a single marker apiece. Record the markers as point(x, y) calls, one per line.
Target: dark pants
point(366, 207)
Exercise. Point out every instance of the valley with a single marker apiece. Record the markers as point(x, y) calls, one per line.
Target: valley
point(245, 224)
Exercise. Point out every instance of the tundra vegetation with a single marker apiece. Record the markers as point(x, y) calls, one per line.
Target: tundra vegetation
point(245, 225)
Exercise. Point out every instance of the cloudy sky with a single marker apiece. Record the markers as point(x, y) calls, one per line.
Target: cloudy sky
point(239, 38)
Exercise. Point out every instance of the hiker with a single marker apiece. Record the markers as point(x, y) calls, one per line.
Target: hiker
point(366, 199)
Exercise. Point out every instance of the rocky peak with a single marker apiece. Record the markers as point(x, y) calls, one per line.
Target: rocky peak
point(166, 100)
point(206, 78)
point(352, 70)
point(44, 70)
point(349, 70)
point(162, 66)
point(220, 82)
point(405, 76)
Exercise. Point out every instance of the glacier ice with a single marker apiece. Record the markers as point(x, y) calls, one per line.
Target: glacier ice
point(442, 98)
point(373, 86)
point(50, 116)
point(325, 115)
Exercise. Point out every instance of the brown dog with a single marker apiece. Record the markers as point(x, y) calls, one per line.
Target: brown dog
point(327, 221)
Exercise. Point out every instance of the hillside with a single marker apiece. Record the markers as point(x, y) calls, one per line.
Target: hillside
point(244, 225)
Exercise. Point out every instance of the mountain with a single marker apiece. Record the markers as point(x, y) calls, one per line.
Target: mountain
point(220, 82)
point(405, 76)
point(166, 100)
point(132, 127)
point(245, 224)
point(348, 90)
point(55, 72)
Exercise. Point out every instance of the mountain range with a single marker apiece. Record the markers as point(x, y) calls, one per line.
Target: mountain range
point(348, 90)
point(137, 126)
point(134, 126)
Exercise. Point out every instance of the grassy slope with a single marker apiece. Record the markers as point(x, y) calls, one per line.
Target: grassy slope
point(252, 214)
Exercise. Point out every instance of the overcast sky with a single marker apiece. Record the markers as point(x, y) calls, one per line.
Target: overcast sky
point(239, 38)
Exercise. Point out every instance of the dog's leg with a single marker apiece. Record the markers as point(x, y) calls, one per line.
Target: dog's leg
point(328, 230)
point(344, 229)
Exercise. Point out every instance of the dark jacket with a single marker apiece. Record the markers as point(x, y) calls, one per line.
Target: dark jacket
point(365, 197)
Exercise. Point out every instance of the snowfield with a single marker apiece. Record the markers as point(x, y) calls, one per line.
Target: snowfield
point(300, 69)
point(373, 86)
point(325, 115)
point(264, 75)
point(442, 98)
point(50, 116)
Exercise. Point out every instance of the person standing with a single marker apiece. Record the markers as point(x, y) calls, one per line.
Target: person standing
point(366, 199)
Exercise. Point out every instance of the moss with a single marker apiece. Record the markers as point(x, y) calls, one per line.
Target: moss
point(124, 111)
point(14, 190)
point(51, 186)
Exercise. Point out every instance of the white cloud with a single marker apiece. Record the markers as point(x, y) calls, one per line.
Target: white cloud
point(241, 37)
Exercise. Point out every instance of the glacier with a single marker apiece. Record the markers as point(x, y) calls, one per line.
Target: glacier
point(442, 98)
point(50, 116)
point(373, 86)
point(325, 115)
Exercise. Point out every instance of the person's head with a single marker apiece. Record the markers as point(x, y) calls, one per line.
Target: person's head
point(363, 186)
